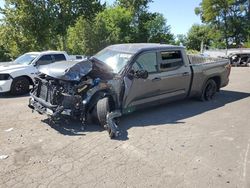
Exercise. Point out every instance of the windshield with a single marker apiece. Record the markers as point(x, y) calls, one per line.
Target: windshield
point(116, 60)
point(25, 59)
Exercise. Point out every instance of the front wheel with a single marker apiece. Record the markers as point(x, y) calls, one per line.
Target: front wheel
point(102, 109)
point(20, 86)
point(209, 90)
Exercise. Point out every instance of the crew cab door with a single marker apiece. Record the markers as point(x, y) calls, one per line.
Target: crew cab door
point(139, 91)
point(50, 58)
point(44, 60)
point(175, 74)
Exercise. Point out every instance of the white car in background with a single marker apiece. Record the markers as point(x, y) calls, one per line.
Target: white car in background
point(17, 76)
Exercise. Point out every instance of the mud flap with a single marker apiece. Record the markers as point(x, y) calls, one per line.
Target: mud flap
point(111, 126)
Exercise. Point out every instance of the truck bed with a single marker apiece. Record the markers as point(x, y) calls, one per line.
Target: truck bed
point(207, 67)
point(198, 59)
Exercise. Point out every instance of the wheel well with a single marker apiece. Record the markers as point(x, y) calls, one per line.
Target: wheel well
point(27, 77)
point(217, 80)
point(111, 102)
point(98, 95)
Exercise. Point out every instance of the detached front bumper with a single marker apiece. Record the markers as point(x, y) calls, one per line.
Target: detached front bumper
point(5, 85)
point(43, 107)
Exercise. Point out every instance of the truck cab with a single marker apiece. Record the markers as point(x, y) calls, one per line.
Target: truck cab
point(169, 76)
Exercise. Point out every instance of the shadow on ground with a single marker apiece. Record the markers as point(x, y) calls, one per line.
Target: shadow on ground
point(11, 96)
point(71, 127)
point(165, 114)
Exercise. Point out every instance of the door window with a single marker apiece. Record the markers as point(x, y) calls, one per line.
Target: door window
point(170, 60)
point(44, 60)
point(59, 57)
point(147, 61)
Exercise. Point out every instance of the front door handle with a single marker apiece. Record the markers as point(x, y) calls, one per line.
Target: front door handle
point(156, 79)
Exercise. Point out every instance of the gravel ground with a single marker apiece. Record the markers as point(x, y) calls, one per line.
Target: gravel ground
point(182, 144)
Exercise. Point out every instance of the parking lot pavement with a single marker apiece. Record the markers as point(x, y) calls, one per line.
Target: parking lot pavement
point(182, 144)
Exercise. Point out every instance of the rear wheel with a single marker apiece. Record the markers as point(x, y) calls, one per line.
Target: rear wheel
point(209, 90)
point(20, 86)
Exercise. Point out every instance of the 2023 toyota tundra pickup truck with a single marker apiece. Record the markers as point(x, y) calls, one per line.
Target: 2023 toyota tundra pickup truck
point(122, 78)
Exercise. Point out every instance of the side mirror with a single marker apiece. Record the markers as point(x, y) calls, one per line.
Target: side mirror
point(143, 74)
point(35, 64)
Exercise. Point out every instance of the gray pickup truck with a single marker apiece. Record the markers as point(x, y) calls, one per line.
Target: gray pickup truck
point(123, 78)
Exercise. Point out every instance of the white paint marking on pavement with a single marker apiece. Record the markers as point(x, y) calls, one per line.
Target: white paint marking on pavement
point(245, 160)
point(228, 138)
point(217, 133)
point(134, 150)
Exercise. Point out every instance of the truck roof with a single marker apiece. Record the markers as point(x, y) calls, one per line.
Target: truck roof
point(47, 52)
point(134, 48)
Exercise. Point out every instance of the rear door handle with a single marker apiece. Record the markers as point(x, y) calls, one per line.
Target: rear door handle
point(185, 74)
point(156, 79)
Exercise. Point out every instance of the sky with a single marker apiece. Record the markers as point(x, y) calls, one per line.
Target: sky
point(1, 3)
point(179, 13)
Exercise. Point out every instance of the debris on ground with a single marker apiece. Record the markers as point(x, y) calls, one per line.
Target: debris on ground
point(10, 129)
point(2, 157)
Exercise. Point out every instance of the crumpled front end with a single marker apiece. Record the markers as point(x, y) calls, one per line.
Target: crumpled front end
point(63, 86)
point(63, 89)
point(55, 97)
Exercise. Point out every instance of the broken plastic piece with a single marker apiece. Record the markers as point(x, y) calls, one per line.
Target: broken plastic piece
point(111, 125)
point(96, 81)
point(2, 157)
point(8, 130)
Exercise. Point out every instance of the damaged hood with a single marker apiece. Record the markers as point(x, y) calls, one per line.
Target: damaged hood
point(11, 67)
point(67, 70)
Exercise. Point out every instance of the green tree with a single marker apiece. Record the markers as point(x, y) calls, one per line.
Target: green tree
point(4, 53)
point(42, 24)
point(110, 26)
point(136, 6)
point(158, 30)
point(79, 37)
point(25, 26)
point(66, 12)
point(216, 37)
point(197, 36)
point(146, 26)
point(231, 17)
point(141, 16)
point(181, 40)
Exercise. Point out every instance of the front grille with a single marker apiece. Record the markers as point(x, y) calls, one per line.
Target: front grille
point(43, 92)
point(46, 91)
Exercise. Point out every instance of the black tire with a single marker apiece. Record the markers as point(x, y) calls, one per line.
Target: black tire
point(102, 110)
point(20, 86)
point(111, 134)
point(209, 90)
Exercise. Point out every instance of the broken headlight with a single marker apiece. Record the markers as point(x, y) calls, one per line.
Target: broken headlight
point(5, 77)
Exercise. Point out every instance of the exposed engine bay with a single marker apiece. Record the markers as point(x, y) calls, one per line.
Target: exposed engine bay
point(73, 88)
